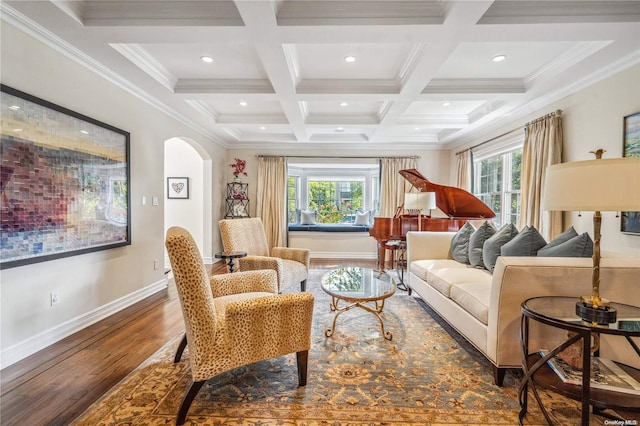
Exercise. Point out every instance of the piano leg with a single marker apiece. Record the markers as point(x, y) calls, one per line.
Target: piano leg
point(382, 254)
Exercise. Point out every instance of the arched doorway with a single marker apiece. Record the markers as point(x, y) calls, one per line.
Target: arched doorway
point(185, 158)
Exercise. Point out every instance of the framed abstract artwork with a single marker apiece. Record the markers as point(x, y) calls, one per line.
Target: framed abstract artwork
point(64, 182)
point(630, 221)
point(178, 187)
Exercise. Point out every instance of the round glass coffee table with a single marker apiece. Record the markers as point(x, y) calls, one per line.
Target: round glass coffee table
point(356, 287)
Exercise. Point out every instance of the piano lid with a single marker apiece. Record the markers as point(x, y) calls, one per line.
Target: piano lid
point(453, 201)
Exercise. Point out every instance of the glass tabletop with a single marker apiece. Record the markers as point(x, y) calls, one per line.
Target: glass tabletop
point(563, 309)
point(357, 283)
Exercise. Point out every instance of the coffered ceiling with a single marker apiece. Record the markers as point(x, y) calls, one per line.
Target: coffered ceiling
point(423, 73)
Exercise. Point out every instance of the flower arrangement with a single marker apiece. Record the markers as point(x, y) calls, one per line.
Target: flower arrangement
point(238, 167)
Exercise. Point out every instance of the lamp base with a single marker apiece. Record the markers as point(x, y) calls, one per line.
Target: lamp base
point(602, 315)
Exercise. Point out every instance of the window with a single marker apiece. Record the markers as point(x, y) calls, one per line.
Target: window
point(497, 184)
point(334, 191)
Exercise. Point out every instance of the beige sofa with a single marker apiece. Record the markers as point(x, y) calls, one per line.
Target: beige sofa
point(485, 309)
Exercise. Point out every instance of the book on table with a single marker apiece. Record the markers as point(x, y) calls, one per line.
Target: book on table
point(605, 374)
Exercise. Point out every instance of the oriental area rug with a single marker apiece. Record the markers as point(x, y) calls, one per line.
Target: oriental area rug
point(427, 375)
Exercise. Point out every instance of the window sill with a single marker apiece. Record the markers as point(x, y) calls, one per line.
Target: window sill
point(329, 227)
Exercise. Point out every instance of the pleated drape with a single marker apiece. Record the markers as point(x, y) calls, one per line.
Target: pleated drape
point(272, 202)
point(392, 185)
point(542, 148)
point(464, 170)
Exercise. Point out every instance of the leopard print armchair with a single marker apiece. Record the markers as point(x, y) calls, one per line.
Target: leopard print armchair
point(291, 265)
point(230, 318)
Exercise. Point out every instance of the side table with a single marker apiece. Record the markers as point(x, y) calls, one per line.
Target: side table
point(229, 256)
point(559, 312)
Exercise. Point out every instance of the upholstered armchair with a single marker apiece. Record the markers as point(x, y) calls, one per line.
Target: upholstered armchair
point(234, 319)
point(291, 265)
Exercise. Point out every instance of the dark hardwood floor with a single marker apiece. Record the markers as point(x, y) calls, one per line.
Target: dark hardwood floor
point(55, 385)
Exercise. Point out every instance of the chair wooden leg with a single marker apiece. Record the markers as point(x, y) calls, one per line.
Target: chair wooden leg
point(498, 375)
point(303, 285)
point(302, 357)
point(188, 399)
point(180, 350)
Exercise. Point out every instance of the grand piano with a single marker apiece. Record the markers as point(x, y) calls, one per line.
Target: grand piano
point(459, 205)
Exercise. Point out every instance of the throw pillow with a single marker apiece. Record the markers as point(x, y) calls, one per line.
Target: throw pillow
point(562, 238)
point(526, 243)
point(460, 243)
point(476, 241)
point(308, 218)
point(580, 246)
point(493, 244)
point(362, 218)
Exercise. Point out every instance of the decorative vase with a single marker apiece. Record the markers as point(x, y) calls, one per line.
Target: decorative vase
point(236, 179)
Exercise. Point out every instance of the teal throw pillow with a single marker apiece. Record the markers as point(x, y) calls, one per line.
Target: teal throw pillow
point(562, 238)
point(492, 246)
point(526, 243)
point(580, 246)
point(476, 242)
point(460, 243)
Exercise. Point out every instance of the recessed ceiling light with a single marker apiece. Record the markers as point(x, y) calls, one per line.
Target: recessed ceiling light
point(349, 58)
point(243, 103)
point(207, 59)
point(416, 128)
point(84, 132)
point(263, 128)
point(14, 107)
point(340, 129)
point(499, 58)
point(446, 103)
point(343, 104)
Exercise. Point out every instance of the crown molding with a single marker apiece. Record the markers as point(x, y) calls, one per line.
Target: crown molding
point(203, 108)
point(218, 86)
point(146, 62)
point(31, 28)
point(340, 86)
point(474, 85)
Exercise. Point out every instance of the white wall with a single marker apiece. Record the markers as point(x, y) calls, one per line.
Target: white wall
point(94, 284)
point(592, 118)
point(181, 160)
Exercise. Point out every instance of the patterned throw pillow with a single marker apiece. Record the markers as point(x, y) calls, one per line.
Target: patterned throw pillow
point(476, 242)
point(460, 243)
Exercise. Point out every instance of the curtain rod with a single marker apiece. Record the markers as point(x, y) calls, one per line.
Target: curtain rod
point(490, 140)
point(556, 113)
point(377, 157)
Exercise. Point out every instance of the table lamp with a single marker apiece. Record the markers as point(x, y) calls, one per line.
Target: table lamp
point(594, 185)
point(420, 201)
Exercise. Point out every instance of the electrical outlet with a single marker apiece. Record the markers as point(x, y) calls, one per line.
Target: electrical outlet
point(156, 264)
point(55, 297)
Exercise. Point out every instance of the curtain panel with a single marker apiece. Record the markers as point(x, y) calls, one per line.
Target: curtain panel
point(542, 148)
point(464, 170)
point(271, 199)
point(392, 185)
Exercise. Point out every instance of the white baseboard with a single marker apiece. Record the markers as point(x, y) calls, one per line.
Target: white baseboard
point(48, 337)
point(342, 255)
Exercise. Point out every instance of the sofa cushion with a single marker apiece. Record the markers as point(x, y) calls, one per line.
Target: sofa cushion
point(420, 268)
point(526, 243)
point(476, 241)
point(443, 279)
point(493, 244)
point(460, 243)
point(474, 298)
point(580, 246)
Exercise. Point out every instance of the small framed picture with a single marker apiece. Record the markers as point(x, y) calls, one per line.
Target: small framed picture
point(630, 221)
point(178, 188)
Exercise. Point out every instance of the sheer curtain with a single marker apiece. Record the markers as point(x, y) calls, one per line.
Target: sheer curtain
point(271, 198)
point(542, 148)
point(392, 185)
point(464, 170)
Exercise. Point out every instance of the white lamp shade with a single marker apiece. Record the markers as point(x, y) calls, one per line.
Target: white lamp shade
point(593, 185)
point(420, 200)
